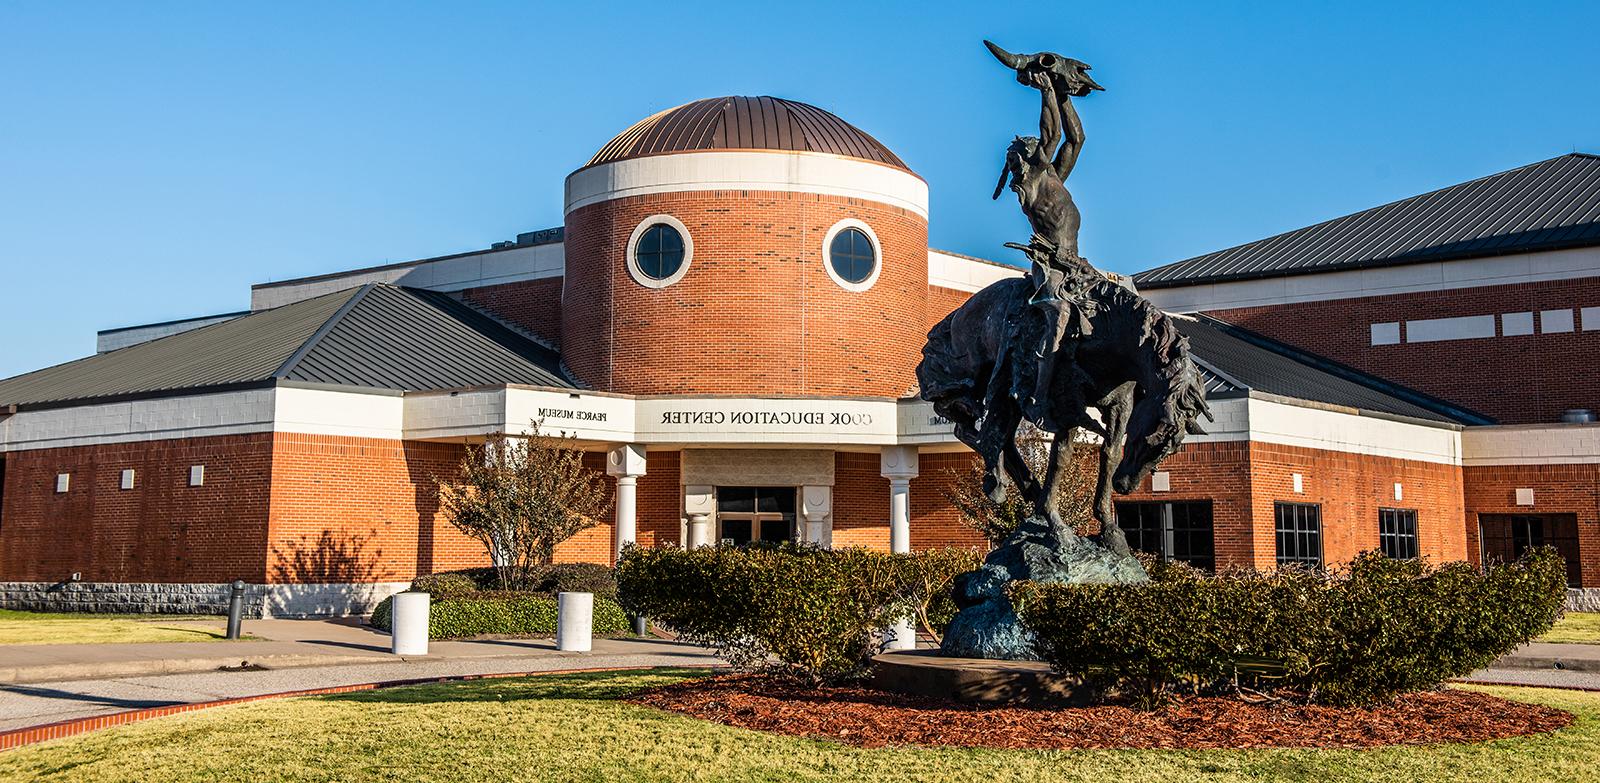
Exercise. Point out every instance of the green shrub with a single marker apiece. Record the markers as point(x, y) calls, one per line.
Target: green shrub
point(444, 585)
point(1377, 629)
point(501, 614)
point(792, 608)
point(576, 578)
point(546, 579)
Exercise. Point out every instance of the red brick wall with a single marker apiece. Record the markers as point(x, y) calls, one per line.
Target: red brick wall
point(658, 511)
point(1219, 472)
point(942, 302)
point(934, 521)
point(534, 305)
point(860, 501)
point(1351, 488)
point(361, 510)
point(756, 313)
point(162, 530)
point(1535, 377)
point(1557, 489)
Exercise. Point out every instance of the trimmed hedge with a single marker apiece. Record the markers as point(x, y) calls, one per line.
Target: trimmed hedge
point(1380, 628)
point(500, 614)
point(792, 608)
point(549, 579)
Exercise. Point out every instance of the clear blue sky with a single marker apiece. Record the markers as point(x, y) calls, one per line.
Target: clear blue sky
point(158, 158)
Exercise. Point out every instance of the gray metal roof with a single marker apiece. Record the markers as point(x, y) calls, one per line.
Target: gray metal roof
point(1235, 360)
point(376, 336)
point(1549, 205)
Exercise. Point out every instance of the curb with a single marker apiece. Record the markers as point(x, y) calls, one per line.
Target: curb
point(29, 735)
point(1548, 662)
point(21, 675)
point(1498, 683)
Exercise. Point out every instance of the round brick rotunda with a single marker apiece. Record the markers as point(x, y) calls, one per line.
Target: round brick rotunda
point(746, 246)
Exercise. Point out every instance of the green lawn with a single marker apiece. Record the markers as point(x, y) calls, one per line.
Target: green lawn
point(571, 728)
point(1575, 627)
point(50, 628)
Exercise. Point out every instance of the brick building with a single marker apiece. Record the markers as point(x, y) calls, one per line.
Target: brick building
point(729, 319)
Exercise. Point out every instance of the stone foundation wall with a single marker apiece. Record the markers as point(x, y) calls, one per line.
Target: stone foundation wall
point(1583, 599)
point(301, 600)
point(128, 597)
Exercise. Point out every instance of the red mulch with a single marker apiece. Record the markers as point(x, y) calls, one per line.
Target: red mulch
point(873, 719)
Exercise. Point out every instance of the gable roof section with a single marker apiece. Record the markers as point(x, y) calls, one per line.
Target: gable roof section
point(1550, 205)
point(376, 336)
point(1238, 360)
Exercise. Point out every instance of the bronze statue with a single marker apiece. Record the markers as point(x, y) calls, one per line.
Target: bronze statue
point(1069, 350)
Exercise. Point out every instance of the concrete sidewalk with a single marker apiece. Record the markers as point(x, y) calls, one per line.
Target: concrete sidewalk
point(281, 644)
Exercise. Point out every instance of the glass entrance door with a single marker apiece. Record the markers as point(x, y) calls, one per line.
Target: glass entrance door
point(747, 514)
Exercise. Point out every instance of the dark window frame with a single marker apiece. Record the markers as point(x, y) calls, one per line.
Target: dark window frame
point(651, 261)
point(1176, 532)
point(1397, 533)
point(1303, 529)
point(853, 255)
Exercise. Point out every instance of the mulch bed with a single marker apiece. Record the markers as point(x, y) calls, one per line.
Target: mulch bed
point(872, 719)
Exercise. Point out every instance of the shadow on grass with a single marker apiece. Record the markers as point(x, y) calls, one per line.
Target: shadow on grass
point(584, 686)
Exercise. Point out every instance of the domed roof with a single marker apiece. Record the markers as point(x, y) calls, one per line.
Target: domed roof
point(745, 123)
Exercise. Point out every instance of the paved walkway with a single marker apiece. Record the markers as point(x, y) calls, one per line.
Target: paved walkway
point(54, 682)
point(48, 683)
point(280, 644)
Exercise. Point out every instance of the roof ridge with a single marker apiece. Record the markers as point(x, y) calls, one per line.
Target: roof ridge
point(1346, 372)
point(322, 331)
point(1359, 212)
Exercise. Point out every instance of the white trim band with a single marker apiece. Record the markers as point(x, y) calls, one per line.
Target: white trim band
point(788, 172)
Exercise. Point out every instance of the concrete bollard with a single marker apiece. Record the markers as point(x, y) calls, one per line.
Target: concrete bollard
point(902, 635)
point(408, 633)
point(574, 622)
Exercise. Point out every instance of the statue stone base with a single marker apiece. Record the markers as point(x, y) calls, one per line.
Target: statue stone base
point(987, 626)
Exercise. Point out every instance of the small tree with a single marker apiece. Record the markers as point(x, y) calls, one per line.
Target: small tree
point(520, 497)
point(1074, 501)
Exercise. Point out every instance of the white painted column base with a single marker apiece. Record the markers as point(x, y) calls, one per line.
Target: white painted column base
point(903, 635)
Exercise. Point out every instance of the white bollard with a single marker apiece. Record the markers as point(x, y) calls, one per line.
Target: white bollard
point(903, 635)
point(408, 632)
point(574, 622)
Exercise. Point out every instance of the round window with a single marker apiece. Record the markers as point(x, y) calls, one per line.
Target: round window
point(659, 252)
point(853, 255)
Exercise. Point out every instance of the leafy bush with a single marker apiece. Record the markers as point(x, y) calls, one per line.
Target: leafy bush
point(545, 579)
point(450, 583)
point(500, 614)
point(1377, 629)
point(813, 611)
point(576, 578)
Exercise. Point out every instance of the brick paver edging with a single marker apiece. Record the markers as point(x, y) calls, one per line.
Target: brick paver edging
point(16, 738)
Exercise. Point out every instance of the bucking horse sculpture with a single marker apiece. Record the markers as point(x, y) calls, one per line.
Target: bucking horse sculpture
point(1071, 351)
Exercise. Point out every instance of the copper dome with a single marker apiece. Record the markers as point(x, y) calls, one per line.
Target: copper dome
point(745, 123)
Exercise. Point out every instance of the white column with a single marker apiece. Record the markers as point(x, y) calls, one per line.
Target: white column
point(699, 503)
point(899, 465)
point(626, 463)
point(816, 507)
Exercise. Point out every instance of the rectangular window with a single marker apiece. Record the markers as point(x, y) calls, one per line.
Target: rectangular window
point(750, 514)
point(1299, 532)
point(1180, 530)
point(1397, 532)
point(1505, 537)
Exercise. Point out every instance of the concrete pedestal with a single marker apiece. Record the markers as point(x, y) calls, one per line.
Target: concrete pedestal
point(974, 680)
